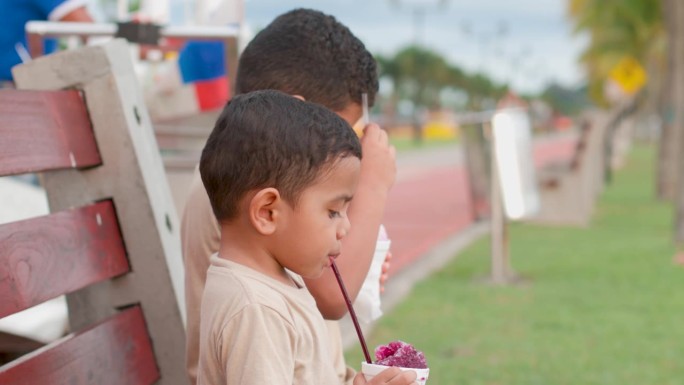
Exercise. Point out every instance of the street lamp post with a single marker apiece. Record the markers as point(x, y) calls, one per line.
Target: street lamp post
point(485, 38)
point(419, 9)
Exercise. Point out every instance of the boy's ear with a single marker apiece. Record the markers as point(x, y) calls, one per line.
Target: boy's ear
point(263, 210)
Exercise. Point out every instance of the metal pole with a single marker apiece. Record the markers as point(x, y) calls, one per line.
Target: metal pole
point(122, 9)
point(418, 24)
point(61, 29)
point(501, 269)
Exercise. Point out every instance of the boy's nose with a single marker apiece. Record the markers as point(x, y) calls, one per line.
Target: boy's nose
point(343, 228)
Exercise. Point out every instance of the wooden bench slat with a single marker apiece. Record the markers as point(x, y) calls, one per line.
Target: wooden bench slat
point(45, 130)
point(44, 257)
point(115, 351)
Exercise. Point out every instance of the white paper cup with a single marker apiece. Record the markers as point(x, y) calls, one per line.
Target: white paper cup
point(371, 370)
point(381, 250)
point(367, 305)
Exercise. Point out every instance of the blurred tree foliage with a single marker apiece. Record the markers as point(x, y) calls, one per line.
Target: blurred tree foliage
point(619, 29)
point(567, 101)
point(420, 75)
point(652, 32)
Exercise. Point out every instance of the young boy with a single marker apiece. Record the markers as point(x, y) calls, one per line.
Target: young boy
point(280, 173)
point(306, 53)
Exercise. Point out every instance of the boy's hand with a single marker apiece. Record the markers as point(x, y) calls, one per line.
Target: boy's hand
point(378, 164)
point(392, 376)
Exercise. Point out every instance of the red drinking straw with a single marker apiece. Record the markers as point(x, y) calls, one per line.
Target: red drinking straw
point(351, 311)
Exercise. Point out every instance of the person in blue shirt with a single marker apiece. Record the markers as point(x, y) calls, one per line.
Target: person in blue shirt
point(14, 14)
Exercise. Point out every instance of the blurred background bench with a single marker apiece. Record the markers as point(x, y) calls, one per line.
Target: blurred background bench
point(568, 190)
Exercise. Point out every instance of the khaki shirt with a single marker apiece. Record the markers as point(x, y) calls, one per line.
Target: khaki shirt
point(256, 330)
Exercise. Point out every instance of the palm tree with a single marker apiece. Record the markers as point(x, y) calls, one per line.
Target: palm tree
point(674, 18)
point(618, 29)
point(419, 74)
point(652, 32)
point(669, 147)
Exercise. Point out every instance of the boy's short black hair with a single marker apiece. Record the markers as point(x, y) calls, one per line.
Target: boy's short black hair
point(271, 139)
point(308, 53)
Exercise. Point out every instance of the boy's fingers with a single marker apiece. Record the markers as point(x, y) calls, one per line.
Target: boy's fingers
point(370, 127)
point(390, 376)
point(369, 132)
point(387, 375)
point(359, 379)
point(404, 378)
point(374, 131)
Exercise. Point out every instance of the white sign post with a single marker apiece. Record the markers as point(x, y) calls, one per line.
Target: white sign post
point(514, 186)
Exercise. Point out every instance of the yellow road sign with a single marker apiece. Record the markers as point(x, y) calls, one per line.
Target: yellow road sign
point(629, 75)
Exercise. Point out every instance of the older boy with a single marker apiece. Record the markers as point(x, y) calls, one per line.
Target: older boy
point(280, 173)
point(312, 55)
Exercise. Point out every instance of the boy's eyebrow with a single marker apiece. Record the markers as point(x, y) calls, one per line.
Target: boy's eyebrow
point(343, 197)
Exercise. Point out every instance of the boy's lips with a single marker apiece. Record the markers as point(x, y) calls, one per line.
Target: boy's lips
point(331, 258)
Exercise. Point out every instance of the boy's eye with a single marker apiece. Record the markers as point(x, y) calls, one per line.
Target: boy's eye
point(333, 214)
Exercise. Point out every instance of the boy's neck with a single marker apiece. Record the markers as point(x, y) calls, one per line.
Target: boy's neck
point(243, 247)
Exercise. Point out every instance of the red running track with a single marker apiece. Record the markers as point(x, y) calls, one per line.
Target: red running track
point(428, 206)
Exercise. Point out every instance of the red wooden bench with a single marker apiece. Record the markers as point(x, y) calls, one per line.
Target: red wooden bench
point(110, 243)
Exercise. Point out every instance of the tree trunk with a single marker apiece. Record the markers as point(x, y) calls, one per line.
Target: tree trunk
point(677, 47)
point(667, 152)
point(651, 108)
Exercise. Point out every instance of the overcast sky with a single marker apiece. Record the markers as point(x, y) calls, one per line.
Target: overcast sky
point(526, 42)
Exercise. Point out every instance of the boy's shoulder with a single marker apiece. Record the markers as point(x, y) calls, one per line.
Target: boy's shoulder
point(231, 287)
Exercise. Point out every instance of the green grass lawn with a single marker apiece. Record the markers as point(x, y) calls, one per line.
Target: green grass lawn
point(408, 144)
point(603, 305)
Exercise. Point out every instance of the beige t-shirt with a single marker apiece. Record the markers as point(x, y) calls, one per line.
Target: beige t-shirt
point(257, 330)
point(200, 236)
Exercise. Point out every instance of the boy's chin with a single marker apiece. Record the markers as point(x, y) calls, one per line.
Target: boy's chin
point(315, 274)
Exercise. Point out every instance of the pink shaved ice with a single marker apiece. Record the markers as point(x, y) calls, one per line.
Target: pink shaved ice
point(401, 354)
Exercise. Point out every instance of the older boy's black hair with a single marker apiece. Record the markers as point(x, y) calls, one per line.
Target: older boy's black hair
point(308, 53)
point(271, 139)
